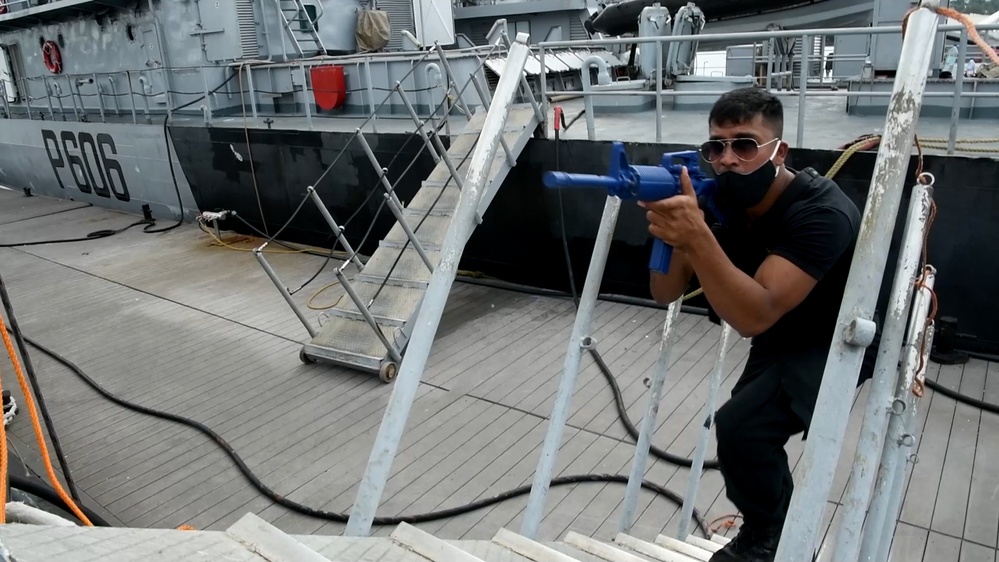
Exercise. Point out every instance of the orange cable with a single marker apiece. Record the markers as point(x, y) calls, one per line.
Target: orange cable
point(964, 19)
point(972, 32)
point(30, 403)
point(3, 464)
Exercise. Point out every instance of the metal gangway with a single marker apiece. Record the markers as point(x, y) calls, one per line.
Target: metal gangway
point(876, 484)
point(398, 287)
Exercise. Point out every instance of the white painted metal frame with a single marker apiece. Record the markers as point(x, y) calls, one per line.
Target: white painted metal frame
point(855, 329)
point(411, 370)
point(880, 400)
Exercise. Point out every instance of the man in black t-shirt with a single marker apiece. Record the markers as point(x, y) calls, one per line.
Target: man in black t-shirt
point(774, 268)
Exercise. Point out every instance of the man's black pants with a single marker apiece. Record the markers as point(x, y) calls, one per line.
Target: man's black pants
point(752, 429)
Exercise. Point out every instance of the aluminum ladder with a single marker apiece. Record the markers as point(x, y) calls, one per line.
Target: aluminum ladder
point(370, 330)
point(252, 539)
point(301, 26)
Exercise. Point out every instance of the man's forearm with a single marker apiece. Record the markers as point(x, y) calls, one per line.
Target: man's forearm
point(736, 297)
point(666, 288)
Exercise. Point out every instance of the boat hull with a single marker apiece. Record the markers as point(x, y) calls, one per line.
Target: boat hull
point(117, 166)
point(520, 239)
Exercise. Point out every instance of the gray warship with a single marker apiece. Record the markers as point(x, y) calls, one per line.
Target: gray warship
point(301, 123)
point(231, 113)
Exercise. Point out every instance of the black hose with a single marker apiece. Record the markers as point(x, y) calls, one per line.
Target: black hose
point(29, 371)
point(42, 490)
point(982, 356)
point(937, 387)
point(626, 421)
point(91, 236)
point(341, 517)
point(622, 409)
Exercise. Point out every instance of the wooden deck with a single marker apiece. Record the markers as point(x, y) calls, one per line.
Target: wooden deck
point(175, 322)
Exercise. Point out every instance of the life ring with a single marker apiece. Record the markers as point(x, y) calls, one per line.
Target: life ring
point(52, 57)
point(3, 6)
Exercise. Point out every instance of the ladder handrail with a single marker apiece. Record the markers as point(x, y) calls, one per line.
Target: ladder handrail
point(428, 319)
point(855, 329)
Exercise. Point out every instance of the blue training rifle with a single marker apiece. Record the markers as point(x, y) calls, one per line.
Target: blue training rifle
point(644, 183)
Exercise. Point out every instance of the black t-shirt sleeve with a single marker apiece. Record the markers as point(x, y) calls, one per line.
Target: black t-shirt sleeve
point(815, 238)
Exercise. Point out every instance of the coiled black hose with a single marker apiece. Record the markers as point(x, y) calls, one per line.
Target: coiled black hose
point(342, 517)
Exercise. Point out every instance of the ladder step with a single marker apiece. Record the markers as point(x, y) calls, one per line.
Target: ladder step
point(705, 544)
point(529, 548)
point(393, 306)
point(602, 550)
point(650, 550)
point(430, 233)
point(720, 539)
point(409, 271)
point(464, 145)
point(350, 337)
point(429, 546)
point(688, 549)
point(431, 196)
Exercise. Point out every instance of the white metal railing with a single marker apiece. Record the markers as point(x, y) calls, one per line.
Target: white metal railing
point(803, 91)
point(212, 89)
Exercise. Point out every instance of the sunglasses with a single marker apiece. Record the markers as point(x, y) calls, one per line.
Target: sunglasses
point(744, 149)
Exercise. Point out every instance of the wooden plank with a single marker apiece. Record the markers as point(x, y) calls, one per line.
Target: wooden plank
point(269, 542)
point(941, 547)
point(982, 522)
point(306, 430)
point(971, 552)
point(908, 544)
point(955, 478)
point(917, 508)
point(16, 207)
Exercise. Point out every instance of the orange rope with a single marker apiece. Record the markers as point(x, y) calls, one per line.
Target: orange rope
point(3, 465)
point(972, 32)
point(30, 403)
point(965, 20)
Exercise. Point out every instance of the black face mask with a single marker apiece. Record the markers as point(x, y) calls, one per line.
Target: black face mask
point(738, 192)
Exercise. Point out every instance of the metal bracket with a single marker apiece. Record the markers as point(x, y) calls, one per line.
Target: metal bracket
point(860, 332)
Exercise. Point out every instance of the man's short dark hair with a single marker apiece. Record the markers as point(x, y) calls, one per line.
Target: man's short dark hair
point(743, 105)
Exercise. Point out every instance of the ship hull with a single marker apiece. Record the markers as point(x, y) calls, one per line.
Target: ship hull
point(117, 166)
point(520, 239)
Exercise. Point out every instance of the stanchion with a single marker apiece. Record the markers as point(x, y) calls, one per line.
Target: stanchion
point(855, 329)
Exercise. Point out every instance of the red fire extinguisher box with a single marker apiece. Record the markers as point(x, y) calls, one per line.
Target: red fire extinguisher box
point(329, 86)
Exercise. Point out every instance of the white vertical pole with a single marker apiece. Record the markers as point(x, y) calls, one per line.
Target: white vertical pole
point(697, 466)
point(888, 497)
point(855, 330)
point(393, 424)
point(666, 342)
point(872, 433)
point(579, 341)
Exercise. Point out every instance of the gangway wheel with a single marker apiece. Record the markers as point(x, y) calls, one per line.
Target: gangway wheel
point(388, 371)
point(305, 358)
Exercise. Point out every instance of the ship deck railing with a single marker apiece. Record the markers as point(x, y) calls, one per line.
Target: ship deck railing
point(774, 81)
point(269, 91)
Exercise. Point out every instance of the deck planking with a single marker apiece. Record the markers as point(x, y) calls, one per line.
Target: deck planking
point(176, 322)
